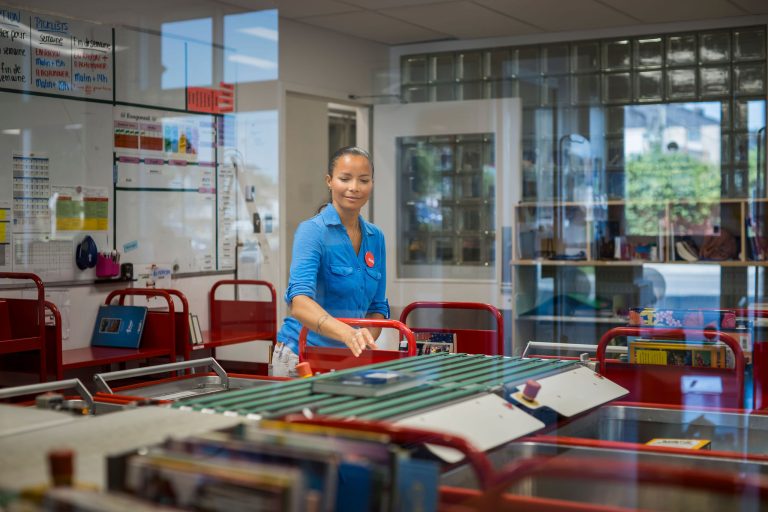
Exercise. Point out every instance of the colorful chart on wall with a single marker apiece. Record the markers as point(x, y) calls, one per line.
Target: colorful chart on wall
point(165, 188)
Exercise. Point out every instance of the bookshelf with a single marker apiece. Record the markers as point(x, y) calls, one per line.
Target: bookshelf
point(579, 266)
point(625, 233)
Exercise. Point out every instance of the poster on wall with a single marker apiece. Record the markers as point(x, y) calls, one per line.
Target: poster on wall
point(164, 150)
point(44, 53)
point(5, 236)
point(31, 192)
point(80, 208)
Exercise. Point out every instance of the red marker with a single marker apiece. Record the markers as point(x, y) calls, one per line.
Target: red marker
point(369, 259)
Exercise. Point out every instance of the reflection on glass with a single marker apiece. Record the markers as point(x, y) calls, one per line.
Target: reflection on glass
point(714, 81)
point(681, 83)
point(617, 55)
point(446, 196)
point(681, 50)
point(671, 153)
point(749, 79)
point(749, 44)
point(250, 42)
point(187, 53)
point(715, 47)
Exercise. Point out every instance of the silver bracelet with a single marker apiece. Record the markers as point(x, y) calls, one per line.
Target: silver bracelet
point(320, 323)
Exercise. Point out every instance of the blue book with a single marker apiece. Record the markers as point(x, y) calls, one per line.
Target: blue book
point(417, 485)
point(356, 484)
point(119, 326)
point(368, 383)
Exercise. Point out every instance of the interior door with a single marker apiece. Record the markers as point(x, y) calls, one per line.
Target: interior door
point(446, 180)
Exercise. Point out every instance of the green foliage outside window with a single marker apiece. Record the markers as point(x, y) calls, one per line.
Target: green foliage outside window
point(660, 177)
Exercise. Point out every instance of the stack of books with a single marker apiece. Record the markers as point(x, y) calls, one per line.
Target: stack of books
point(432, 343)
point(280, 466)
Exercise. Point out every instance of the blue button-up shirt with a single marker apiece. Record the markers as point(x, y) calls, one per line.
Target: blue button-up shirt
point(325, 268)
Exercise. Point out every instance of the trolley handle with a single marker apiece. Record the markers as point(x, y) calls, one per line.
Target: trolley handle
point(409, 435)
point(101, 378)
point(141, 292)
point(43, 387)
point(38, 283)
point(682, 334)
point(365, 322)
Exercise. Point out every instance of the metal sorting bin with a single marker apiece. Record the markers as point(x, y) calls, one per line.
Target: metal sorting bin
point(178, 388)
point(595, 488)
point(728, 431)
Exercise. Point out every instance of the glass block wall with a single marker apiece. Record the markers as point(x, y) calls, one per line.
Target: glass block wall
point(446, 204)
point(582, 88)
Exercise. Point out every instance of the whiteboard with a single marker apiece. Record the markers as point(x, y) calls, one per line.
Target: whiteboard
point(167, 227)
point(165, 188)
point(73, 141)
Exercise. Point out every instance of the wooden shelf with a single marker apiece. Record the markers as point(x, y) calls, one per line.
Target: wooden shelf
point(729, 263)
point(634, 263)
point(583, 263)
point(554, 203)
point(613, 320)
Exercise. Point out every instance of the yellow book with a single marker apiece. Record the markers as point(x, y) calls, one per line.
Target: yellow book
point(669, 353)
point(691, 444)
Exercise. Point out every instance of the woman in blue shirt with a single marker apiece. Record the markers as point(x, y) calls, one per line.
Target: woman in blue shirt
point(337, 268)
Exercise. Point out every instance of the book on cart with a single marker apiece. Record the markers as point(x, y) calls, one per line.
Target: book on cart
point(119, 326)
point(695, 354)
point(193, 339)
point(368, 383)
point(432, 343)
point(689, 444)
point(283, 466)
point(195, 333)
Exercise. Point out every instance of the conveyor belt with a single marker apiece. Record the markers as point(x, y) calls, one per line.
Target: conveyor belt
point(448, 377)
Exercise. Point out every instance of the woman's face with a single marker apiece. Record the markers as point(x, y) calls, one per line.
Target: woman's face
point(351, 182)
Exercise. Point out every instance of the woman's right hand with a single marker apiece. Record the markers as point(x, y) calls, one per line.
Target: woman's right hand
point(358, 340)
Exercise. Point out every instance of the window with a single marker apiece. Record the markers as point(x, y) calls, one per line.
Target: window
point(180, 40)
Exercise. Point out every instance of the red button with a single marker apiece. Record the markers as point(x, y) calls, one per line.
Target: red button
point(369, 259)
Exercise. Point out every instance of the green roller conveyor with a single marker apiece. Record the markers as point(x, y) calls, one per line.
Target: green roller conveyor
point(447, 378)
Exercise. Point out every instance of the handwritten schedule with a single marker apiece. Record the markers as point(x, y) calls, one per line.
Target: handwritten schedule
point(14, 50)
point(59, 56)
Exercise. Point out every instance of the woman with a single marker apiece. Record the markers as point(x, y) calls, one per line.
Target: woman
point(337, 268)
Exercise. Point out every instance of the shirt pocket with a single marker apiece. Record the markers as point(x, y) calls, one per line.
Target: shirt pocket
point(341, 270)
point(372, 278)
point(341, 282)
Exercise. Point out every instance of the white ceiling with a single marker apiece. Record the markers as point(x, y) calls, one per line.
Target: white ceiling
point(395, 22)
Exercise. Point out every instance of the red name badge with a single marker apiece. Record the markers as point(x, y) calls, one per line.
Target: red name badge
point(369, 259)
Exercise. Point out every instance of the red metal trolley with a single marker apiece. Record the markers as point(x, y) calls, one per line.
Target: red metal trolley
point(671, 384)
point(468, 341)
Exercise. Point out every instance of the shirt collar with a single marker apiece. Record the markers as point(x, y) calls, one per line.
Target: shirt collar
point(331, 218)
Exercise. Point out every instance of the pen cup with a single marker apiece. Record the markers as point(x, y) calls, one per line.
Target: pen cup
point(106, 266)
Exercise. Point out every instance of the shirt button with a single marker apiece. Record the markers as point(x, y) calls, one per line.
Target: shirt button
point(358, 269)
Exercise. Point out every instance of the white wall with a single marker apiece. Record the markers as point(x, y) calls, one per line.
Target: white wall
point(324, 63)
point(307, 144)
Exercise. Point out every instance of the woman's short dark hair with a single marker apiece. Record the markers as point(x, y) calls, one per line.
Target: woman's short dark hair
point(348, 150)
